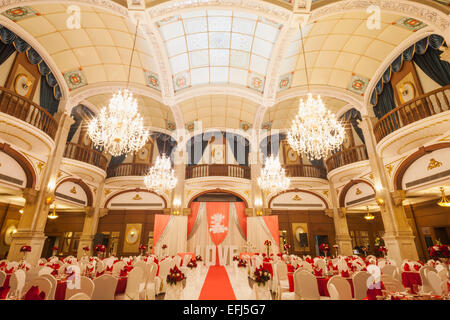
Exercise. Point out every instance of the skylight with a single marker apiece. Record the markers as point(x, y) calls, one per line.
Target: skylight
point(218, 47)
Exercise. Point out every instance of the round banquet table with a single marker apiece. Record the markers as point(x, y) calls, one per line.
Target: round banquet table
point(60, 292)
point(411, 279)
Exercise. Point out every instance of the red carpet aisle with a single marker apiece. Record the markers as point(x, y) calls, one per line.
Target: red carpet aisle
point(217, 285)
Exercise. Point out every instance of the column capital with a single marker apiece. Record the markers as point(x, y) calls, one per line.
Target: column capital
point(398, 196)
point(89, 211)
point(29, 194)
point(329, 213)
point(103, 212)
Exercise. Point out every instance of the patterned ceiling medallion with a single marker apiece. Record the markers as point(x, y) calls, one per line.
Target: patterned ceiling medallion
point(256, 82)
point(181, 80)
point(434, 164)
point(75, 79)
point(137, 197)
point(410, 24)
point(245, 126)
point(267, 125)
point(19, 13)
point(285, 82)
point(152, 80)
point(358, 84)
point(171, 126)
point(190, 126)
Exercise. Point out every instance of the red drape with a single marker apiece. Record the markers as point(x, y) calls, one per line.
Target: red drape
point(240, 212)
point(193, 216)
point(218, 214)
point(272, 225)
point(161, 221)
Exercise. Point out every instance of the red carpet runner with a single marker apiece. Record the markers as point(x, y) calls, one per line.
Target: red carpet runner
point(217, 286)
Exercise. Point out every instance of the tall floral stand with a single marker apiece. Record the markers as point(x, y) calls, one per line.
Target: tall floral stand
point(262, 291)
point(174, 291)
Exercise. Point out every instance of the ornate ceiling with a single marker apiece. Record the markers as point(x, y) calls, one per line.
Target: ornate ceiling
point(223, 62)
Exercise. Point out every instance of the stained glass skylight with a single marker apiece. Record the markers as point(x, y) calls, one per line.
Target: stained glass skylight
point(219, 47)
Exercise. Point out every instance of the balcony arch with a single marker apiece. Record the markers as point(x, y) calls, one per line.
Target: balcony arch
point(23, 162)
point(87, 191)
point(218, 190)
point(348, 186)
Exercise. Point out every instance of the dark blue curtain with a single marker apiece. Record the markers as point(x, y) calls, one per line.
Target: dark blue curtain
point(47, 98)
point(240, 147)
point(6, 50)
point(77, 114)
point(430, 63)
point(117, 160)
point(197, 143)
point(317, 163)
point(270, 145)
point(386, 101)
point(353, 116)
point(166, 144)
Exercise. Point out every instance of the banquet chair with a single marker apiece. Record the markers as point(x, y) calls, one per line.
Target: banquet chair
point(45, 270)
point(426, 286)
point(306, 265)
point(438, 286)
point(342, 265)
point(79, 296)
point(100, 267)
point(339, 288)
point(150, 287)
point(177, 260)
point(442, 272)
point(42, 283)
point(305, 285)
point(16, 284)
point(390, 270)
point(2, 278)
point(391, 284)
point(145, 274)
point(32, 273)
point(320, 264)
point(104, 287)
point(54, 283)
point(86, 287)
point(117, 267)
point(360, 284)
point(164, 268)
point(186, 260)
point(134, 285)
point(282, 278)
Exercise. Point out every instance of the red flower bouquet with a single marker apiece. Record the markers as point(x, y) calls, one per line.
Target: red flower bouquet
point(164, 246)
point(86, 248)
point(268, 243)
point(324, 247)
point(261, 276)
point(439, 251)
point(287, 246)
point(175, 276)
point(242, 263)
point(55, 249)
point(192, 264)
point(198, 258)
point(236, 258)
point(382, 249)
point(100, 248)
point(142, 247)
point(25, 249)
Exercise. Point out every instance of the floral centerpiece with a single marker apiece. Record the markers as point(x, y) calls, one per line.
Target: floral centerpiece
point(175, 276)
point(242, 263)
point(287, 246)
point(198, 258)
point(192, 264)
point(100, 249)
point(25, 250)
point(268, 243)
point(325, 248)
point(142, 249)
point(236, 258)
point(383, 250)
point(441, 252)
point(164, 247)
point(261, 276)
point(55, 251)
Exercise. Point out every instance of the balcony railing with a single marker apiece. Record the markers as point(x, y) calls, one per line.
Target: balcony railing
point(128, 169)
point(26, 110)
point(427, 105)
point(218, 170)
point(347, 156)
point(307, 171)
point(81, 153)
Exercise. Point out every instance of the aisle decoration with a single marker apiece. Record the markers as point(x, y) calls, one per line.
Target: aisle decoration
point(175, 284)
point(236, 258)
point(261, 287)
point(192, 264)
point(268, 243)
point(25, 250)
point(198, 258)
point(242, 263)
point(325, 248)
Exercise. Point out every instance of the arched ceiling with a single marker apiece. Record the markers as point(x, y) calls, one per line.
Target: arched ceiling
point(219, 111)
point(155, 114)
point(99, 51)
point(282, 114)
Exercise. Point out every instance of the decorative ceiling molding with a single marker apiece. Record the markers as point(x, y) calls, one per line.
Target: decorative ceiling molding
point(424, 13)
point(258, 7)
point(108, 5)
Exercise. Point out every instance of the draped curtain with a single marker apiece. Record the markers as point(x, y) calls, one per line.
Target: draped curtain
point(426, 54)
point(171, 231)
point(258, 232)
point(270, 145)
point(240, 147)
point(165, 143)
point(353, 116)
point(6, 50)
point(195, 148)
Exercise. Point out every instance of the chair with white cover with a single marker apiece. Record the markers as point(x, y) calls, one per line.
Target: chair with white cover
point(390, 270)
point(306, 265)
point(426, 287)
point(342, 265)
point(117, 267)
point(360, 284)
point(282, 278)
point(321, 264)
point(442, 272)
point(86, 287)
point(41, 261)
point(150, 288)
point(177, 260)
point(104, 287)
point(2, 278)
point(339, 288)
point(54, 284)
point(16, 284)
point(42, 283)
point(438, 286)
point(45, 270)
point(79, 296)
point(164, 268)
point(391, 284)
point(305, 285)
point(186, 260)
point(135, 286)
point(100, 267)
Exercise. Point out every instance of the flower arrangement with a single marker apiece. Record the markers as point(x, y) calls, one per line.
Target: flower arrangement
point(192, 264)
point(325, 248)
point(242, 263)
point(236, 258)
point(268, 243)
point(198, 258)
point(383, 250)
point(287, 246)
point(25, 249)
point(142, 247)
point(100, 248)
point(55, 249)
point(439, 251)
point(86, 248)
point(175, 276)
point(261, 276)
point(164, 246)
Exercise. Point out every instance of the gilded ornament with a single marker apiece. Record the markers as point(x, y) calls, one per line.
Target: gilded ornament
point(433, 164)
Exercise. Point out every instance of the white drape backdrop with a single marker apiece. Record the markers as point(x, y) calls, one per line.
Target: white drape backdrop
point(258, 233)
point(174, 236)
point(200, 234)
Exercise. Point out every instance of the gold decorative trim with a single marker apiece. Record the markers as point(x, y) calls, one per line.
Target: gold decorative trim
point(296, 198)
point(389, 168)
point(371, 176)
point(433, 164)
point(107, 191)
point(358, 191)
point(325, 192)
point(40, 166)
point(73, 190)
point(137, 197)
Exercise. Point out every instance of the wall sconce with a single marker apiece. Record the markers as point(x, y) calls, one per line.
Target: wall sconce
point(51, 185)
point(380, 202)
point(21, 211)
point(176, 207)
point(258, 206)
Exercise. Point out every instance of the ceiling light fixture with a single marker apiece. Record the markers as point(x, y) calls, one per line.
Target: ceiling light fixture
point(368, 215)
point(444, 202)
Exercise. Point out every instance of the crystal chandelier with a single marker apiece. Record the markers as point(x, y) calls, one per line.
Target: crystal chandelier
point(161, 176)
point(315, 131)
point(273, 177)
point(119, 128)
